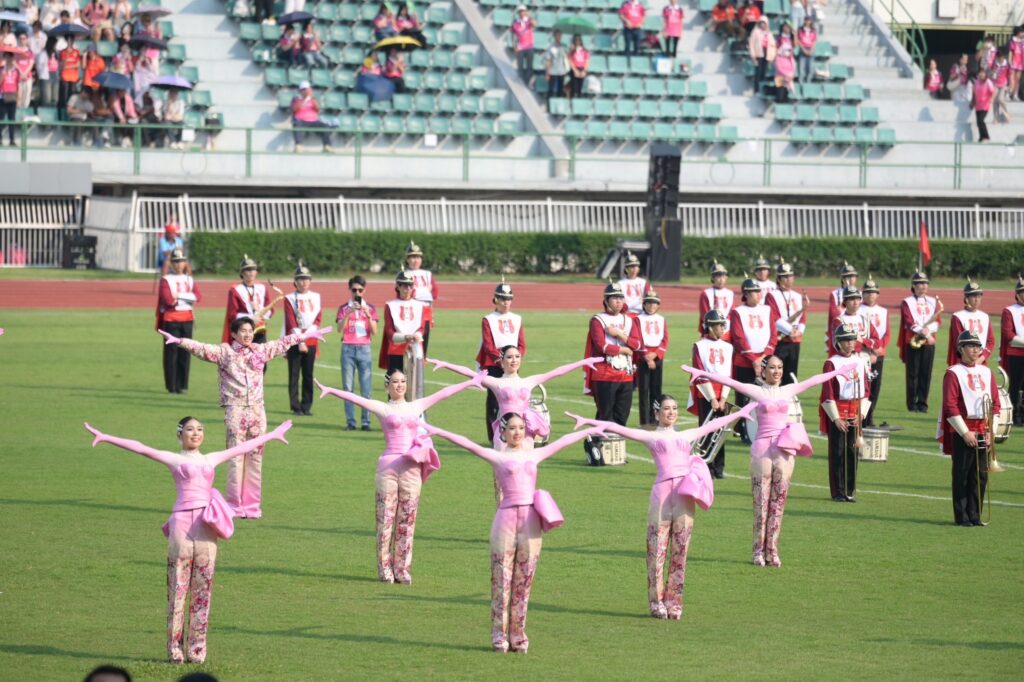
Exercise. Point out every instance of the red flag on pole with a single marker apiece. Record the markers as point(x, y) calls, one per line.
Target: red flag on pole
point(923, 246)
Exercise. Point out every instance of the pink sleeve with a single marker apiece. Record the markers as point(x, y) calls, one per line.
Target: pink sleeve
point(218, 458)
point(168, 459)
point(795, 389)
point(750, 390)
point(557, 372)
point(280, 346)
point(694, 435)
point(375, 406)
point(466, 444)
point(639, 435)
point(424, 404)
point(565, 441)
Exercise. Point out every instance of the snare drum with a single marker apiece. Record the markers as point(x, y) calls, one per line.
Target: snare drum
point(612, 450)
point(1002, 421)
point(876, 445)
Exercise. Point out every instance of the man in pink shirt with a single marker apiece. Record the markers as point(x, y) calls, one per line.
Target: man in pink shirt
point(984, 90)
point(306, 115)
point(357, 323)
point(632, 13)
point(522, 28)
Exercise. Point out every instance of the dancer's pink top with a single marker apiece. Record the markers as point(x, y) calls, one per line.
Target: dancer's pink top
point(240, 367)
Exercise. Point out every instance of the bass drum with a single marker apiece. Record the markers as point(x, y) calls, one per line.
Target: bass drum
point(1002, 421)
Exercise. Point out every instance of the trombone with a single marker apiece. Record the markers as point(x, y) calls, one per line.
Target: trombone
point(991, 464)
point(917, 341)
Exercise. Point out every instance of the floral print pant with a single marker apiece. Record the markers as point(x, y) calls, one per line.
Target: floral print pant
point(398, 498)
point(769, 483)
point(191, 556)
point(515, 549)
point(669, 519)
point(244, 488)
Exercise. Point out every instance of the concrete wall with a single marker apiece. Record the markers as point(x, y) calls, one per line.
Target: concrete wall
point(963, 13)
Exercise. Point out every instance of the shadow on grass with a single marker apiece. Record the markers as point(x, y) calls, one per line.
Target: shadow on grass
point(867, 517)
point(483, 601)
point(981, 645)
point(305, 633)
point(84, 503)
point(45, 650)
point(276, 570)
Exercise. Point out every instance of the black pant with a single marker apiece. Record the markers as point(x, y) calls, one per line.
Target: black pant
point(576, 85)
point(760, 72)
point(426, 337)
point(671, 45)
point(1015, 386)
point(842, 460)
point(982, 128)
point(614, 400)
point(789, 353)
point(176, 358)
point(717, 465)
point(491, 408)
point(919, 377)
point(64, 91)
point(9, 111)
point(299, 362)
point(745, 375)
point(970, 477)
point(876, 391)
point(264, 9)
point(648, 384)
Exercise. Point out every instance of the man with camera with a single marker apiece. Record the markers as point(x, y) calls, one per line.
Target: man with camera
point(357, 323)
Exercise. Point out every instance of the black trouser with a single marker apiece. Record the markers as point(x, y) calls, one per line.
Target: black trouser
point(970, 477)
point(789, 353)
point(760, 72)
point(1015, 386)
point(176, 358)
point(648, 384)
point(979, 116)
point(919, 376)
point(8, 111)
point(426, 336)
point(301, 363)
point(491, 409)
point(671, 45)
point(842, 460)
point(876, 391)
point(717, 465)
point(745, 375)
point(64, 91)
point(264, 9)
point(614, 399)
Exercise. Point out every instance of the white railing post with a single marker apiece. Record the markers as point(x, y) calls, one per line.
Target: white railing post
point(760, 218)
point(977, 221)
point(444, 214)
point(342, 217)
point(549, 214)
point(866, 220)
point(184, 213)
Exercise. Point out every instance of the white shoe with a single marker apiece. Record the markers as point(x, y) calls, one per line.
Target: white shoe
point(328, 149)
point(126, 142)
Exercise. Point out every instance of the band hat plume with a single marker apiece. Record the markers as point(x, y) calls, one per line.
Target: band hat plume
point(302, 272)
point(847, 270)
point(652, 297)
point(919, 278)
point(869, 286)
point(413, 250)
point(972, 288)
point(247, 264)
point(851, 292)
point(718, 269)
point(503, 290)
point(612, 289)
point(749, 284)
point(632, 260)
point(177, 256)
point(783, 269)
point(762, 263)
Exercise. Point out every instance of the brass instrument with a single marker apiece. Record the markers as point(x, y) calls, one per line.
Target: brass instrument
point(261, 324)
point(707, 448)
point(919, 341)
point(990, 457)
point(795, 316)
point(990, 451)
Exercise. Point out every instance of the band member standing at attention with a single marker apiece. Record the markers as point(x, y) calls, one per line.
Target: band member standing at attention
point(499, 328)
point(711, 354)
point(920, 319)
point(716, 297)
point(654, 334)
point(424, 286)
point(634, 287)
point(405, 320)
point(248, 299)
point(840, 414)
point(762, 271)
point(614, 336)
point(302, 312)
point(847, 278)
point(752, 325)
point(791, 310)
point(853, 316)
point(178, 294)
point(878, 319)
point(1011, 351)
point(966, 388)
point(971, 318)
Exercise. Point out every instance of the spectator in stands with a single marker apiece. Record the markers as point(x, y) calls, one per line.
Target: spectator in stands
point(394, 69)
point(294, 6)
point(124, 37)
point(384, 23)
point(1001, 79)
point(101, 113)
point(312, 47)
point(556, 66)
point(149, 115)
point(1016, 49)
point(522, 28)
point(122, 14)
point(29, 9)
point(288, 47)
point(264, 11)
point(800, 11)
point(9, 79)
point(750, 15)
point(122, 109)
point(96, 16)
point(143, 76)
point(79, 110)
point(147, 27)
point(762, 51)
point(70, 62)
point(7, 38)
point(92, 66)
point(818, 10)
point(986, 54)
point(806, 39)
point(371, 67)
point(672, 26)
point(785, 64)
point(724, 20)
point(71, 7)
point(579, 64)
point(25, 63)
point(981, 101)
point(632, 13)
point(49, 16)
point(933, 79)
point(174, 119)
point(306, 114)
point(46, 65)
point(408, 24)
point(123, 61)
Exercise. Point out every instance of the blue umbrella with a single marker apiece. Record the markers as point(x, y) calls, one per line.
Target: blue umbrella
point(172, 82)
point(141, 41)
point(68, 30)
point(377, 87)
point(294, 18)
point(114, 81)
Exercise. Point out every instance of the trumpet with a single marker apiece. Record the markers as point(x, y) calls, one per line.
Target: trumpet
point(261, 325)
point(918, 340)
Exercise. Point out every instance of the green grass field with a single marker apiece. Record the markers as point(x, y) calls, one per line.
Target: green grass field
point(885, 588)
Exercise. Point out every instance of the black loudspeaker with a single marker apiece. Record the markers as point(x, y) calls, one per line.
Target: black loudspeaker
point(666, 250)
point(663, 184)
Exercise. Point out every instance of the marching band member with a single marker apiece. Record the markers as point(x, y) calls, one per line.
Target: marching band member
point(966, 387)
point(634, 287)
point(840, 413)
point(247, 300)
point(1011, 351)
point(178, 294)
point(408, 460)
point(716, 297)
point(971, 318)
point(405, 320)
point(762, 270)
point(772, 453)
point(853, 316)
point(424, 286)
point(920, 319)
point(878, 319)
point(654, 334)
point(241, 366)
point(752, 326)
point(790, 308)
point(712, 354)
point(847, 278)
point(302, 312)
point(498, 329)
point(523, 515)
point(682, 481)
point(200, 516)
point(614, 336)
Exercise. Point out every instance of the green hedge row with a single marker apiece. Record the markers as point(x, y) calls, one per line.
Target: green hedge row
point(327, 252)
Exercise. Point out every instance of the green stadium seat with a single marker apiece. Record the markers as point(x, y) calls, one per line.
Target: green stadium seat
point(462, 126)
point(886, 137)
point(541, 42)
point(706, 6)
point(334, 101)
point(284, 99)
point(494, 104)
point(358, 101)
point(483, 125)
point(611, 86)
point(194, 119)
point(545, 19)
point(424, 104)
point(47, 115)
point(655, 87)
point(370, 123)
point(442, 59)
point(848, 115)
point(432, 80)
point(670, 109)
point(270, 32)
point(697, 89)
point(416, 125)
point(166, 29)
point(439, 13)
point(806, 113)
point(869, 115)
point(634, 87)
point(691, 110)
point(828, 115)
point(340, 33)
point(478, 79)
point(838, 72)
point(711, 111)
point(853, 93)
point(823, 50)
point(502, 18)
point(175, 52)
point(321, 78)
point(640, 130)
point(602, 41)
point(664, 131)
point(706, 133)
point(333, 53)
point(412, 79)
point(843, 136)
point(362, 35)
point(785, 113)
point(558, 106)
point(345, 78)
point(625, 108)
point(618, 130)
point(108, 48)
point(686, 132)
point(275, 76)
point(728, 134)
point(401, 102)
point(832, 92)
point(618, 64)
point(439, 125)
point(596, 129)
point(347, 123)
point(456, 81)
point(260, 55)
point(420, 59)
point(448, 104)
point(464, 60)
point(582, 107)
point(381, 105)
point(574, 129)
point(648, 108)
point(507, 127)
point(641, 66)
point(598, 64)
point(201, 98)
point(677, 87)
point(190, 73)
point(367, 11)
point(864, 136)
point(168, 68)
point(800, 135)
point(326, 12)
point(822, 136)
point(610, 22)
point(811, 91)
point(297, 74)
point(773, 8)
point(470, 104)
point(452, 34)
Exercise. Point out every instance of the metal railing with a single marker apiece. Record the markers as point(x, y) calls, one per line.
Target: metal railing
point(32, 229)
point(905, 29)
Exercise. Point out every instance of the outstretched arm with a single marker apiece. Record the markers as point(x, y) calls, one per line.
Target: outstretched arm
point(375, 406)
point(218, 458)
point(751, 391)
point(203, 351)
point(565, 441)
point(425, 403)
point(489, 381)
point(638, 435)
point(559, 371)
point(466, 444)
point(166, 458)
point(694, 435)
point(795, 389)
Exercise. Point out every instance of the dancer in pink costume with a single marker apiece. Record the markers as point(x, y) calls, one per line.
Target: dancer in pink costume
point(524, 513)
point(240, 366)
point(200, 515)
point(772, 452)
point(408, 459)
point(683, 479)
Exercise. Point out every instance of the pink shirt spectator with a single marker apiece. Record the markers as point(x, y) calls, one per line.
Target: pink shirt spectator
point(357, 331)
point(9, 81)
point(957, 71)
point(523, 31)
point(673, 18)
point(934, 81)
point(983, 92)
point(1016, 48)
point(394, 67)
point(1001, 74)
point(807, 38)
point(579, 58)
point(305, 109)
point(633, 13)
